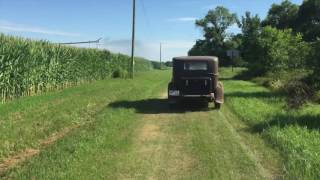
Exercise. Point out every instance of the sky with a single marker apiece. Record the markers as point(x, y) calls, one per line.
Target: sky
point(170, 22)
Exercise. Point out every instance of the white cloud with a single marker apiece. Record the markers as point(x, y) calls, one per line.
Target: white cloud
point(182, 19)
point(6, 26)
point(150, 50)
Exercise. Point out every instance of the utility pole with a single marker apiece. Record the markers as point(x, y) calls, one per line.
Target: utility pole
point(133, 37)
point(160, 55)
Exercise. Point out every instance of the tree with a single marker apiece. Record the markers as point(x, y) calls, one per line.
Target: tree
point(214, 26)
point(201, 48)
point(282, 16)
point(280, 50)
point(251, 28)
point(314, 63)
point(308, 20)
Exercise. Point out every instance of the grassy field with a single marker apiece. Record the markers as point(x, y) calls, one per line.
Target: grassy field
point(295, 133)
point(123, 129)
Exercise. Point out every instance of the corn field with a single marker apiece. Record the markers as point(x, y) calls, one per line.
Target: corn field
point(29, 67)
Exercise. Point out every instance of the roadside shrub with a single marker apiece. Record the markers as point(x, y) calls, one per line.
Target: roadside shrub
point(120, 73)
point(298, 93)
point(279, 50)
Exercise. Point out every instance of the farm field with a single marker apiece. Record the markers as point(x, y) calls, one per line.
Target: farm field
point(123, 129)
point(93, 90)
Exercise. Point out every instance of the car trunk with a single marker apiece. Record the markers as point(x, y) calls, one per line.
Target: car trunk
point(195, 85)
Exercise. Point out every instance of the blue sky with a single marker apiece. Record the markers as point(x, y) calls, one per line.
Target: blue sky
point(168, 21)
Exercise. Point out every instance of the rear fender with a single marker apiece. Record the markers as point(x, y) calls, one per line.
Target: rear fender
point(219, 96)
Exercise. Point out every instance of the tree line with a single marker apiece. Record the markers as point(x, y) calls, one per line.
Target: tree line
point(285, 46)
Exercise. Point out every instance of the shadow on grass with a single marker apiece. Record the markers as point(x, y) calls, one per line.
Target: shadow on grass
point(159, 106)
point(311, 122)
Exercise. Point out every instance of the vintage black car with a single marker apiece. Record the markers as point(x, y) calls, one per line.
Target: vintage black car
point(196, 78)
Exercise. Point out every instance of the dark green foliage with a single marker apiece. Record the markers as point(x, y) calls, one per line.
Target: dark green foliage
point(120, 73)
point(168, 63)
point(314, 64)
point(308, 20)
point(30, 67)
point(282, 16)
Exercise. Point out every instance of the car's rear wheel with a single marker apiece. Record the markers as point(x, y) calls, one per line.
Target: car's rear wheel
point(171, 101)
point(217, 105)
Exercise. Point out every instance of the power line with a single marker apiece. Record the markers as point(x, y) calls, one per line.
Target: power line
point(83, 42)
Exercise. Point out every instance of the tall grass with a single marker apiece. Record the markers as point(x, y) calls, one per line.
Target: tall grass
point(29, 67)
point(294, 132)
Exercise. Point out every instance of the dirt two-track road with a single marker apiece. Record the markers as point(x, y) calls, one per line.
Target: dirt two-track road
point(191, 143)
point(135, 135)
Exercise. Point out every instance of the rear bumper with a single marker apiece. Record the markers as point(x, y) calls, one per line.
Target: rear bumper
point(209, 97)
point(199, 96)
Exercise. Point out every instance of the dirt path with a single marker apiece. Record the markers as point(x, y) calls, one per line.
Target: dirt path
point(158, 152)
point(22, 156)
point(188, 145)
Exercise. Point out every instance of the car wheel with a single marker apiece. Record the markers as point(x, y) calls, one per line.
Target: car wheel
point(217, 105)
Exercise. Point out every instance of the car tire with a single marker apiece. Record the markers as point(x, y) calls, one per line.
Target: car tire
point(217, 105)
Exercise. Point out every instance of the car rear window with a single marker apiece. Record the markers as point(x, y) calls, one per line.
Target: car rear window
point(195, 66)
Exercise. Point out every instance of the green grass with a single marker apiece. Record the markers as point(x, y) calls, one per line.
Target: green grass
point(128, 132)
point(295, 133)
point(27, 121)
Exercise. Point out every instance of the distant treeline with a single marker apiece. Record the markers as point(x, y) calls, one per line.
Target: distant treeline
point(30, 67)
point(284, 47)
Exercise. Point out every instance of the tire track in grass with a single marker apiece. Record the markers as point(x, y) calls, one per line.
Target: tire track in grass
point(262, 171)
point(22, 156)
point(160, 153)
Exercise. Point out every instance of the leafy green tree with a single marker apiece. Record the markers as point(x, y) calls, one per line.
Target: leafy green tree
point(282, 16)
point(214, 26)
point(251, 28)
point(280, 50)
point(202, 48)
point(314, 63)
point(308, 20)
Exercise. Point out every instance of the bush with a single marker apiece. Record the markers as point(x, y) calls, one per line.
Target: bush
point(120, 73)
point(279, 50)
point(298, 93)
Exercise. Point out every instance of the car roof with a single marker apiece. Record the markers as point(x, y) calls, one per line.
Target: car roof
point(195, 58)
